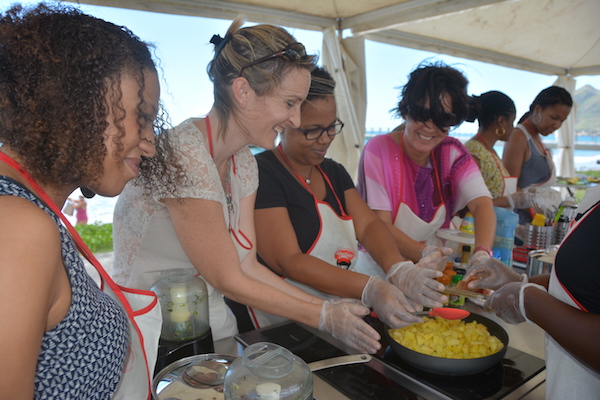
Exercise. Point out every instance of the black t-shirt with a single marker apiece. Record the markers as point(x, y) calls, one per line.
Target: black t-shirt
point(278, 188)
point(578, 262)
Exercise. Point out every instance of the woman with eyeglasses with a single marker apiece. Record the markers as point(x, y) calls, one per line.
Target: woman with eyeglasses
point(417, 178)
point(309, 216)
point(261, 76)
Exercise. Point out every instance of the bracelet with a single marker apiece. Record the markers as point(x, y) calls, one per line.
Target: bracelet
point(486, 249)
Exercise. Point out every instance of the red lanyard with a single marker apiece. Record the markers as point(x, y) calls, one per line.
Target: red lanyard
point(81, 246)
point(228, 193)
point(303, 182)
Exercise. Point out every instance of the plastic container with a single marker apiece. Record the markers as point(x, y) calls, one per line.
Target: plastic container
point(183, 299)
point(504, 241)
point(267, 371)
point(468, 224)
point(185, 332)
point(456, 300)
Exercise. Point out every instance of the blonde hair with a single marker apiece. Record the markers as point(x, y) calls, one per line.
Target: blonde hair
point(240, 47)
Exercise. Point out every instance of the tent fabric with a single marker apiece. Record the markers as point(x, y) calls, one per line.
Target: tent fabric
point(552, 37)
point(566, 133)
point(351, 97)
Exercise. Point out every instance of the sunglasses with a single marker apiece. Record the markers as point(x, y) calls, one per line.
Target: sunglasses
point(292, 52)
point(423, 114)
point(315, 133)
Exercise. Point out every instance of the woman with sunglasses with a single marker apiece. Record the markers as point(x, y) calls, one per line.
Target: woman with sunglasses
point(417, 178)
point(309, 215)
point(261, 76)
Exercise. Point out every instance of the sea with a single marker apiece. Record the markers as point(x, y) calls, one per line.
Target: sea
point(100, 209)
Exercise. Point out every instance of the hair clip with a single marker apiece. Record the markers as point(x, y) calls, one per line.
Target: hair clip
point(220, 42)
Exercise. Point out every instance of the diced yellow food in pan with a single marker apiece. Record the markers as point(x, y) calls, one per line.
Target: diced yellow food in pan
point(445, 338)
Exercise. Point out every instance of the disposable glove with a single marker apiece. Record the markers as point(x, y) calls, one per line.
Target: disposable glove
point(342, 319)
point(491, 274)
point(546, 200)
point(520, 200)
point(419, 284)
point(508, 302)
point(478, 257)
point(390, 304)
point(434, 257)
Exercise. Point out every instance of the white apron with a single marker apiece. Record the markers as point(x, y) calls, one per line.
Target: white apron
point(335, 244)
point(566, 377)
point(411, 224)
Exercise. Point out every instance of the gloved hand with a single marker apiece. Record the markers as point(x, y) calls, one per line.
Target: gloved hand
point(434, 257)
point(547, 200)
point(508, 302)
point(491, 274)
point(479, 256)
point(390, 304)
point(342, 318)
point(520, 200)
point(419, 284)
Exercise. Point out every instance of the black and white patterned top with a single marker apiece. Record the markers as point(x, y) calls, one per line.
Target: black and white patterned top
point(83, 356)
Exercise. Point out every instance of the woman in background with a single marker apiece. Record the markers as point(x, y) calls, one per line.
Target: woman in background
point(261, 77)
point(67, 79)
point(495, 113)
point(417, 178)
point(525, 156)
point(309, 216)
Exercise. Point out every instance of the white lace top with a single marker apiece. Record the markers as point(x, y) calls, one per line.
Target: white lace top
point(145, 241)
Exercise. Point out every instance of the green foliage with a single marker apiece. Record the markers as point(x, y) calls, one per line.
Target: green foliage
point(97, 236)
point(588, 110)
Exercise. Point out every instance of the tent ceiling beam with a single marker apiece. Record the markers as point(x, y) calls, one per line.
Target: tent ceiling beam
point(221, 10)
point(458, 50)
point(409, 11)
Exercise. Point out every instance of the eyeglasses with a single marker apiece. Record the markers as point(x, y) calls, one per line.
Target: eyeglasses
point(423, 114)
point(293, 52)
point(315, 133)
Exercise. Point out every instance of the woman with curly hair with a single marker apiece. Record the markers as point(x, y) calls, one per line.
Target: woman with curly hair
point(78, 101)
point(261, 77)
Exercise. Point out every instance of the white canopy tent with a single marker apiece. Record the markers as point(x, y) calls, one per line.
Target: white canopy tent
point(552, 37)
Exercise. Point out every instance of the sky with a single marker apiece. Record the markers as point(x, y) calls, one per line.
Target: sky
point(183, 48)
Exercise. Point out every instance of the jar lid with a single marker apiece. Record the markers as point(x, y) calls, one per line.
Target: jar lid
point(169, 383)
point(268, 360)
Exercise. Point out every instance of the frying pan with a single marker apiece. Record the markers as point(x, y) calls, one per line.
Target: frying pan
point(448, 366)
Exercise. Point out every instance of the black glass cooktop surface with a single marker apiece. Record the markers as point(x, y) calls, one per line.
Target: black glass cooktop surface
point(362, 382)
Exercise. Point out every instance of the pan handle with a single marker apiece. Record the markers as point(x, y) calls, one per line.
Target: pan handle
point(337, 361)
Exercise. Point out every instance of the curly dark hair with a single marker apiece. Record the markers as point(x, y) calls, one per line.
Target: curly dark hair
point(57, 67)
point(430, 82)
